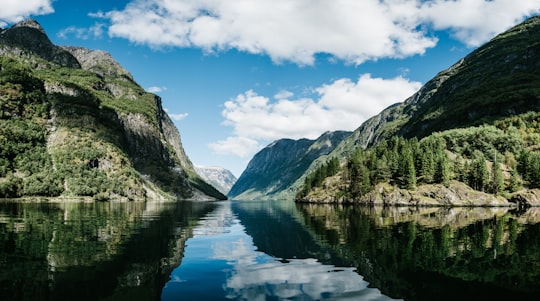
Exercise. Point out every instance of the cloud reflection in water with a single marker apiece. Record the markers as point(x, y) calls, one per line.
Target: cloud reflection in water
point(255, 275)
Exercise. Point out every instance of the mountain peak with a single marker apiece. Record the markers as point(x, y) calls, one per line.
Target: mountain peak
point(30, 23)
point(30, 37)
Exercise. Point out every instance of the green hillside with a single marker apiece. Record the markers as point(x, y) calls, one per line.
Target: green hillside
point(74, 123)
point(475, 123)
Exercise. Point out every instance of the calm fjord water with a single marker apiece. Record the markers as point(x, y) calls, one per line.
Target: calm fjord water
point(266, 251)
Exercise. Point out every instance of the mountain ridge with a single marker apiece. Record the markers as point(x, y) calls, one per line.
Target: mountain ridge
point(262, 178)
point(85, 118)
point(498, 80)
point(495, 85)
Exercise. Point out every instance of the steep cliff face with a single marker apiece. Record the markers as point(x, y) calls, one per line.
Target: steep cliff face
point(103, 135)
point(274, 170)
point(489, 99)
point(497, 80)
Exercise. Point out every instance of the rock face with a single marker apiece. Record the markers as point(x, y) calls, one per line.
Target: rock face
point(497, 81)
point(490, 83)
point(456, 194)
point(30, 39)
point(218, 177)
point(105, 136)
point(273, 171)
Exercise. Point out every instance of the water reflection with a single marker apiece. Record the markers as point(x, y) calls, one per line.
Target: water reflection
point(91, 251)
point(435, 253)
point(249, 274)
point(266, 251)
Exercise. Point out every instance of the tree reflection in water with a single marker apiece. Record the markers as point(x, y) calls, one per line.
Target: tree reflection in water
point(435, 253)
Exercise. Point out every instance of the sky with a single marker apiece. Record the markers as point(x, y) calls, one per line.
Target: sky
point(235, 75)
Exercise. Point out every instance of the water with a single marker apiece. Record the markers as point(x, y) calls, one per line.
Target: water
point(266, 251)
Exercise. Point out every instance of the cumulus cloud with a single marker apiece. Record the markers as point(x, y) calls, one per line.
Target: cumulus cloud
point(296, 30)
point(475, 21)
point(176, 117)
point(341, 105)
point(239, 146)
point(16, 10)
point(82, 33)
point(156, 89)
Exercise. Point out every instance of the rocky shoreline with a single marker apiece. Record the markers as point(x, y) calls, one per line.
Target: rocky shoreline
point(456, 194)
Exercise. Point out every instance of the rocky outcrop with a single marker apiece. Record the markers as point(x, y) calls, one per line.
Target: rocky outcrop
point(527, 198)
point(107, 138)
point(456, 194)
point(98, 61)
point(28, 38)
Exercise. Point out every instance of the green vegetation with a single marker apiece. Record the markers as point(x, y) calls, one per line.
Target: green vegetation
point(75, 133)
point(497, 159)
point(408, 255)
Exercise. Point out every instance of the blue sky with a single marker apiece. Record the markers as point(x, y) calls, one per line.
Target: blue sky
point(236, 75)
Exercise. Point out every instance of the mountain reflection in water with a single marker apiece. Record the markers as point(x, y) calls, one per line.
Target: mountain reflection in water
point(266, 251)
point(91, 251)
point(241, 272)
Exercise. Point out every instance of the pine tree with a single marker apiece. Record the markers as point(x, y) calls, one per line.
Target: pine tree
point(443, 173)
point(407, 169)
point(497, 182)
point(515, 182)
point(478, 173)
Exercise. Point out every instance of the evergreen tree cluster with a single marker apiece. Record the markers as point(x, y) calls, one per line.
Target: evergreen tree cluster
point(315, 179)
point(497, 159)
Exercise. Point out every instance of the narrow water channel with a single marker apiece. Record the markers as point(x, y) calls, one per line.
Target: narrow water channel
point(221, 262)
point(262, 250)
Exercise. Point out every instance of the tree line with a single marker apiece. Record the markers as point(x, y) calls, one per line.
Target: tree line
point(497, 159)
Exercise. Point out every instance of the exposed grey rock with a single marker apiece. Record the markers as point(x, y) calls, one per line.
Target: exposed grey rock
point(222, 179)
point(28, 38)
point(98, 61)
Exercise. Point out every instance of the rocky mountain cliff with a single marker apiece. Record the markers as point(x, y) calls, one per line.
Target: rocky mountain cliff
point(219, 177)
point(497, 80)
point(275, 170)
point(485, 107)
point(74, 123)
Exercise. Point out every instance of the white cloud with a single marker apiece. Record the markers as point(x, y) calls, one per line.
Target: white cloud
point(156, 89)
point(242, 147)
point(16, 10)
point(341, 105)
point(82, 33)
point(475, 21)
point(176, 117)
point(296, 30)
point(284, 94)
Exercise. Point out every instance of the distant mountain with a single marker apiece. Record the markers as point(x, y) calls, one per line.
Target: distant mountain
point(74, 123)
point(276, 170)
point(222, 179)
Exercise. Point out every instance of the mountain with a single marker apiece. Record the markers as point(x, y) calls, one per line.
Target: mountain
point(496, 85)
point(222, 179)
point(483, 108)
point(497, 80)
point(74, 123)
point(276, 170)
